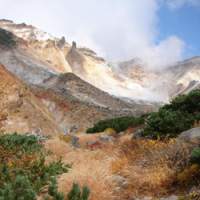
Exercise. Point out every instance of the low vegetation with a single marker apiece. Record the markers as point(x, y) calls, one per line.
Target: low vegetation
point(7, 39)
point(118, 124)
point(195, 156)
point(25, 169)
point(173, 118)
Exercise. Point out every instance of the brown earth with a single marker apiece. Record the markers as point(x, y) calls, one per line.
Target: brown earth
point(20, 110)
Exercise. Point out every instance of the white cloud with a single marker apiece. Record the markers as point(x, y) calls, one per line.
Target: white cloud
point(117, 29)
point(166, 53)
point(175, 4)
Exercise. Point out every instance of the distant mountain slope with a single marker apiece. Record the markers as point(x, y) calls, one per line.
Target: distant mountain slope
point(20, 110)
point(70, 84)
point(56, 56)
point(180, 78)
point(40, 56)
point(76, 103)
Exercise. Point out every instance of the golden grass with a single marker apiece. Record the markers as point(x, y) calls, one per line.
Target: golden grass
point(150, 167)
point(89, 168)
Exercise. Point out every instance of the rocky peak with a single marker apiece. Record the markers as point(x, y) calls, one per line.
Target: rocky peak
point(73, 45)
point(61, 43)
point(24, 31)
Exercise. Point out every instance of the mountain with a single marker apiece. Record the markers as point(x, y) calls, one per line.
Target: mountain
point(20, 109)
point(77, 104)
point(56, 73)
point(74, 81)
point(179, 78)
point(38, 51)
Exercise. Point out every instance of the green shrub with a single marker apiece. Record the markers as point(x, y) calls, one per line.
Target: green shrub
point(21, 188)
point(118, 124)
point(53, 191)
point(175, 117)
point(166, 123)
point(18, 142)
point(74, 194)
point(189, 103)
point(77, 194)
point(23, 167)
point(7, 38)
point(195, 156)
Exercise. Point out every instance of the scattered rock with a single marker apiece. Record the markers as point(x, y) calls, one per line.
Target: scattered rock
point(120, 180)
point(75, 141)
point(106, 138)
point(172, 197)
point(121, 133)
point(191, 136)
point(137, 134)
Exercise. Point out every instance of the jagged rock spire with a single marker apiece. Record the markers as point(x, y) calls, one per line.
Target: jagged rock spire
point(73, 45)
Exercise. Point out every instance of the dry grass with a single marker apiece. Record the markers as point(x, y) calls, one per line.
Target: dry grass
point(150, 167)
point(91, 168)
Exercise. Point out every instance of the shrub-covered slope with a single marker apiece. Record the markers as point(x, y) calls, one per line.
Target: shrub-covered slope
point(171, 119)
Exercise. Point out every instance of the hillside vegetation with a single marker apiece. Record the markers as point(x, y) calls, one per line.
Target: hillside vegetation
point(25, 171)
point(174, 118)
point(169, 121)
point(118, 124)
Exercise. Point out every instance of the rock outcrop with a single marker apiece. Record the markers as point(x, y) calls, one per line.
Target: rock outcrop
point(191, 136)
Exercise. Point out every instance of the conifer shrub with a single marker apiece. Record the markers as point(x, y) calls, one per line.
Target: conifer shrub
point(195, 156)
point(174, 118)
point(77, 194)
point(167, 123)
point(118, 124)
point(171, 119)
point(23, 167)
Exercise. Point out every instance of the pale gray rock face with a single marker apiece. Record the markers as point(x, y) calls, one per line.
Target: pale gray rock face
point(24, 67)
point(192, 135)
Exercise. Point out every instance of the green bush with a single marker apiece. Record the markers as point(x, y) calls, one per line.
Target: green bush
point(77, 194)
point(53, 191)
point(7, 38)
point(18, 142)
point(175, 117)
point(195, 156)
point(189, 103)
point(23, 167)
point(118, 124)
point(74, 194)
point(166, 123)
point(21, 188)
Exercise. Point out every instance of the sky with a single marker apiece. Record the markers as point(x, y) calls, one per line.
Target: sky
point(161, 32)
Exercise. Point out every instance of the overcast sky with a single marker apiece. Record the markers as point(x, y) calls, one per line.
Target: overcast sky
point(117, 29)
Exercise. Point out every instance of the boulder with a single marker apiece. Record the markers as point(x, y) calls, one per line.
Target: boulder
point(106, 138)
point(138, 134)
point(75, 141)
point(172, 197)
point(191, 136)
point(120, 180)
